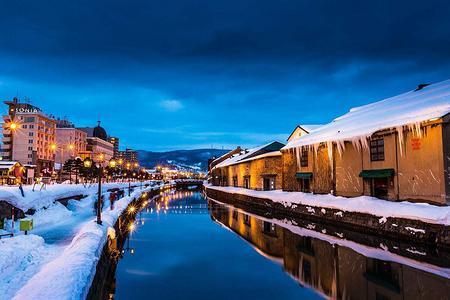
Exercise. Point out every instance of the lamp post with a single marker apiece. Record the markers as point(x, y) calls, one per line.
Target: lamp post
point(129, 182)
point(88, 164)
point(12, 126)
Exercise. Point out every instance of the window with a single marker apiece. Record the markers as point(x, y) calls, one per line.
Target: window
point(235, 181)
point(30, 148)
point(235, 214)
point(30, 141)
point(24, 126)
point(377, 150)
point(30, 155)
point(29, 119)
point(30, 133)
point(31, 126)
point(304, 157)
point(268, 228)
point(247, 220)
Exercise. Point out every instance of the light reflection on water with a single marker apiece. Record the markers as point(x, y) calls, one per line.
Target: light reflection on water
point(186, 247)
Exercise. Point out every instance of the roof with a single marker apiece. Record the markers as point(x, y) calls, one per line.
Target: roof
point(410, 109)
point(7, 164)
point(310, 128)
point(306, 128)
point(251, 153)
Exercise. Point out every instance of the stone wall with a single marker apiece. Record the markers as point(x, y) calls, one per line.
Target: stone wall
point(395, 228)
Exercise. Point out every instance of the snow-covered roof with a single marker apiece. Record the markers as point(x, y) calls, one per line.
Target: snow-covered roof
point(6, 164)
point(268, 154)
point(301, 130)
point(224, 155)
point(246, 154)
point(310, 128)
point(410, 108)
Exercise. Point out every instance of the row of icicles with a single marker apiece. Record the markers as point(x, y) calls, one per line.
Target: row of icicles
point(359, 142)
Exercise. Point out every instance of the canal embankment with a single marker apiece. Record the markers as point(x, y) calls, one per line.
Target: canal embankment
point(413, 222)
point(69, 274)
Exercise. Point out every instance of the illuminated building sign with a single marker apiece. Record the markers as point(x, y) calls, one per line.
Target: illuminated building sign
point(29, 110)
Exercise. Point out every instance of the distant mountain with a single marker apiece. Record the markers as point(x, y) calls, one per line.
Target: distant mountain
point(196, 160)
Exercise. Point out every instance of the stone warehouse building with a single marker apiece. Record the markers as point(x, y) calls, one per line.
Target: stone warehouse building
point(395, 149)
point(258, 168)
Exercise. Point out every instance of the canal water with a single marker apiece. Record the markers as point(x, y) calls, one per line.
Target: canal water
point(187, 247)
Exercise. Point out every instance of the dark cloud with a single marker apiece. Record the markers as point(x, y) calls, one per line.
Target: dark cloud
point(261, 65)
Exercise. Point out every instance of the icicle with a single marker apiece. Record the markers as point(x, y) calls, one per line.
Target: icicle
point(297, 150)
point(400, 138)
point(330, 156)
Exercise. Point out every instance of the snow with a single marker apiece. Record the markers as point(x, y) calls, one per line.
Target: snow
point(415, 230)
point(310, 128)
point(58, 261)
point(20, 258)
point(43, 198)
point(238, 158)
point(408, 109)
point(70, 274)
point(269, 154)
point(364, 204)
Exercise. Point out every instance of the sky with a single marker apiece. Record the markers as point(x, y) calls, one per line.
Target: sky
point(172, 74)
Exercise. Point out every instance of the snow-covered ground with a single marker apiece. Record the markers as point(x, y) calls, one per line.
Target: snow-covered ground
point(43, 198)
point(58, 259)
point(364, 204)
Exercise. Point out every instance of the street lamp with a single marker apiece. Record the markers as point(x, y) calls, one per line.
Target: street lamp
point(129, 182)
point(88, 164)
point(12, 126)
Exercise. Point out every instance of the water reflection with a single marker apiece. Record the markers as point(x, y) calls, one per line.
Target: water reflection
point(339, 269)
point(170, 249)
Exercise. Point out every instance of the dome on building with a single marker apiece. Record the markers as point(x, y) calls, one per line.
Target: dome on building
point(100, 132)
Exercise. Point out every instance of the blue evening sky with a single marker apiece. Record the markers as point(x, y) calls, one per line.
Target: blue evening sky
point(173, 74)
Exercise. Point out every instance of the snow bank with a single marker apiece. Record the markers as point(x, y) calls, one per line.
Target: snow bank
point(23, 254)
point(69, 275)
point(39, 199)
point(364, 204)
point(408, 109)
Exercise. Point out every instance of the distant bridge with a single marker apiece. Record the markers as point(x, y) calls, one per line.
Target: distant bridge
point(184, 183)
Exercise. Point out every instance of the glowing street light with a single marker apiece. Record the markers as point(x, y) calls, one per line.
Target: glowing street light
point(112, 163)
point(13, 125)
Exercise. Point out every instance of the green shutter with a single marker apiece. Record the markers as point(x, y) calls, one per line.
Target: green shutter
point(303, 175)
point(379, 173)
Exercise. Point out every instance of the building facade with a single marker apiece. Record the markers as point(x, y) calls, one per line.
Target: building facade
point(98, 145)
point(389, 158)
point(71, 142)
point(115, 142)
point(129, 156)
point(259, 168)
point(28, 136)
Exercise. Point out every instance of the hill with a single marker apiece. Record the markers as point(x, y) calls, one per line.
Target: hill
point(196, 160)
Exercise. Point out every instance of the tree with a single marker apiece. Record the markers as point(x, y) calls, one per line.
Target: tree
point(68, 167)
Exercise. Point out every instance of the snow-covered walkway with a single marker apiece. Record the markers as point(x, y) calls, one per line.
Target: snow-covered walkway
point(58, 259)
point(363, 204)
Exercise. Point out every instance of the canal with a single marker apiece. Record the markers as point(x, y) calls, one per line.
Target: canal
point(185, 246)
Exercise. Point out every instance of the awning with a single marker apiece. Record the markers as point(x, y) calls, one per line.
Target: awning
point(379, 173)
point(303, 175)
